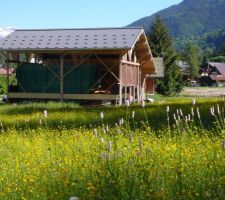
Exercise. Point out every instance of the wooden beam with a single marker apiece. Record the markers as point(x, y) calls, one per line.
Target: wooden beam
point(120, 85)
point(49, 83)
point(76, 66)
point(134, 94)
point(61, 78)
point(103, 76)
point(56, 75)
point(107, 67)
point(15, 61)
point(125, 91)
point(138, 86)
point(7, 77)
point(129, 63)
point(20, 95)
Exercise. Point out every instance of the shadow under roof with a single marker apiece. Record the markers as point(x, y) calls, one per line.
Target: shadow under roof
point(71, 39)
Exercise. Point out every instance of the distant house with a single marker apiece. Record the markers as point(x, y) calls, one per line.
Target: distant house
point(212, 73)
point(151, 80)
point(184, 68)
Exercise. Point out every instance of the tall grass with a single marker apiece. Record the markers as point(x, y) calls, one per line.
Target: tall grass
point(23, 116)
point(45, 158)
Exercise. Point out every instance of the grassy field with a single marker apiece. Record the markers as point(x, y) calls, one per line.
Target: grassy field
point(165, 150)
point(71, 116)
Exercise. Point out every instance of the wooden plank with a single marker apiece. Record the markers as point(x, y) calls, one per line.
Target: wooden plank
point(7, 78)
point(15, 61)
point(130, 63)
point(20, 95)
point(24, 95)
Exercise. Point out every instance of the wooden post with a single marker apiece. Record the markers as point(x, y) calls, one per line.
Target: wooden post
point(121, 95)
point(125, 90)
point(143, 89)
point(139, 85)
point(61, 78)
point(130, 91)
point(120, 86)
point(7, 77)
point(153, 83)
point(134, 93)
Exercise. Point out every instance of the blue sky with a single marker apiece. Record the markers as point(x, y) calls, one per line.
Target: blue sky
point(77, 13)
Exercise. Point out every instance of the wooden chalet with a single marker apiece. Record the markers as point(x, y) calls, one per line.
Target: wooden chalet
point(79, 64)
point(212, 73)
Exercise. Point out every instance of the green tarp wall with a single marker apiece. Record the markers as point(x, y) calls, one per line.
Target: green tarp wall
point(35, 78)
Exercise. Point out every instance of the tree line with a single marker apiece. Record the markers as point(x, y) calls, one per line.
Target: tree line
point(162, 45)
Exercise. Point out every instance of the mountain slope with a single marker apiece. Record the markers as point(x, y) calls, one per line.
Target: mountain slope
point(190, 17)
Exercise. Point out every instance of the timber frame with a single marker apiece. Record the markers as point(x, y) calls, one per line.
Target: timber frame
point(122, 71)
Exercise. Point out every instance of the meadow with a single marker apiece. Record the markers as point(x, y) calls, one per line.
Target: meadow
point(165, 150)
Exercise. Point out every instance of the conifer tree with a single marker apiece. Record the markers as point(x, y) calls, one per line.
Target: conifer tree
point(161, 44)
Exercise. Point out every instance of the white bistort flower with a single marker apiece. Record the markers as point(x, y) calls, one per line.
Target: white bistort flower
point(167, 109)
point(143, 104)
point(102, 115)
point(45, 113)
point(212, 111)
point(73, 198)
point(128, 103)
point(133, 114)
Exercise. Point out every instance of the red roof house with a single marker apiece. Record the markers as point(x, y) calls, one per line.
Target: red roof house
point(213, 73)
point(3, 71)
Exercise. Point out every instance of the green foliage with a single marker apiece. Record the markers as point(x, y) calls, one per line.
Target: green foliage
point(190, 18)
point(217, 59)
point(3, 83)
point(2, 58)
point(194, 59)
point(212, 42)
point(160, 42)
point(159, 37)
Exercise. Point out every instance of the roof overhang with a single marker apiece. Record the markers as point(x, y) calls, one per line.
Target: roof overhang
point(144, 54)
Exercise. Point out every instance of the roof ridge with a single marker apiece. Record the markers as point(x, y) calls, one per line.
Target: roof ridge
point(61, 29)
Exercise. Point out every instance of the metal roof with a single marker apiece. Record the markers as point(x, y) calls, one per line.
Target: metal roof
point(219, 66)
point(71, 39)
point(217, 77)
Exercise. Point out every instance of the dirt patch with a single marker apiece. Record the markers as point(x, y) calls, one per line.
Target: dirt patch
point(203, 92)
